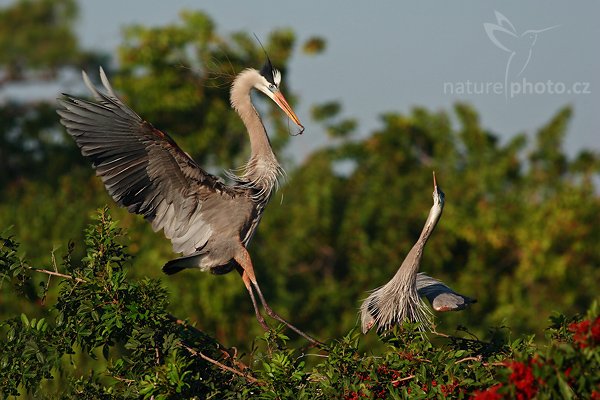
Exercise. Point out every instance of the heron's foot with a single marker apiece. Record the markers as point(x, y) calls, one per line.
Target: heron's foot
point(262, 322)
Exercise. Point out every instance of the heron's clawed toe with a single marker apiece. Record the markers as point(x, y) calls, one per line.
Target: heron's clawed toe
point(263, 323)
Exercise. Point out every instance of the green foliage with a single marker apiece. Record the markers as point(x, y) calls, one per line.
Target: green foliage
point(30, 145)
point(314, 45)
point(28, 353)
point(38, 42)
point(146, 351)
point(411, 366)
point(151, 354)
point(326, 112)
point(37, 34)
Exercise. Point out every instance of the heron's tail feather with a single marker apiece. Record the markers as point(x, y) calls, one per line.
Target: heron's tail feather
point(390, 305)
point(181, 263)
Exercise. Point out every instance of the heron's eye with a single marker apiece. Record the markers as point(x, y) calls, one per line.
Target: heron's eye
point(272, 86)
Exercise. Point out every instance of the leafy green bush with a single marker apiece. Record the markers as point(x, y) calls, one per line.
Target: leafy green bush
point(140, 350)
point(99, 313)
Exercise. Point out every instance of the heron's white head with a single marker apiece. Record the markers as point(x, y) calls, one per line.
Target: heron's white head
point(269, 81)
point(438, 199)
point(438, 196)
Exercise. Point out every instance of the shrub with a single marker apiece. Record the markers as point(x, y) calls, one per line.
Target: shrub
point(108, 337)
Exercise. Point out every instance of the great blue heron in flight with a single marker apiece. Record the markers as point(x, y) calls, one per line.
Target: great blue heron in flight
point(143, 169)
point(400, 298)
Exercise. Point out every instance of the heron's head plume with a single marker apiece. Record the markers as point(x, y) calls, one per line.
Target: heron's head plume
point(272, 75)
point(268, 83)
point(269, 79)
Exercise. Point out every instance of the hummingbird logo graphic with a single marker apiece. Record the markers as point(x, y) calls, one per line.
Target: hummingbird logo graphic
point(519, 46)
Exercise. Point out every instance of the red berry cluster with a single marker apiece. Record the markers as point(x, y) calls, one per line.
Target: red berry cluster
point(449, 388)
point(521, 380)
point(586, 333)
point(488, 394)
point(392, 375)
point(354, 395)
point(377, 389)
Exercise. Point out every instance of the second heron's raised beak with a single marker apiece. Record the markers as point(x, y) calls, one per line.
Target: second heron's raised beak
point(283, 104)
point(438, 195)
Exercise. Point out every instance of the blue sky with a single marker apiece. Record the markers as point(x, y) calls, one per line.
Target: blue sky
point(391, 56)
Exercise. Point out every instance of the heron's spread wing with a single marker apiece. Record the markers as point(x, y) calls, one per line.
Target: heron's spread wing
point(143, 169)
point(441, 297)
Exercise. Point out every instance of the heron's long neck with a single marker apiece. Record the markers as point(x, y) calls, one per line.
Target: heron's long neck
point(408, 271)
point(263, 168)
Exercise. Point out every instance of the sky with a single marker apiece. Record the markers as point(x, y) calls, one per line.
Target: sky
point(516, 62)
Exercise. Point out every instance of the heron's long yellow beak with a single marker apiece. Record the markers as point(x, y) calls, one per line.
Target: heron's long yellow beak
point(283, 104)
point(434, 181)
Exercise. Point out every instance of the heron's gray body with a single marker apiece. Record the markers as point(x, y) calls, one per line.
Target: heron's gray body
point(144, 170)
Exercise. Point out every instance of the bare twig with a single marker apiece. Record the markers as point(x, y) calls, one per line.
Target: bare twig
point(478, 358)
point(127, 381)
point(403, 379)
point(496, 364)
point(45, 271)
point(220, 365)
point(311, 354)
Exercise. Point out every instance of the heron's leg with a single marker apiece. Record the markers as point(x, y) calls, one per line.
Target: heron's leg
point(276, 316)
point(246, 263)
point(248, 284)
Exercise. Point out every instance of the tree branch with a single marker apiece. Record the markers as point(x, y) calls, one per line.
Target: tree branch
point(403, 379)
point(478, 358)
point(45, 271)
point(249, 378)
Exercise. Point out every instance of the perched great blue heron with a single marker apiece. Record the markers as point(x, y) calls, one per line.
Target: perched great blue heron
point(143, 169)
point(400, 298)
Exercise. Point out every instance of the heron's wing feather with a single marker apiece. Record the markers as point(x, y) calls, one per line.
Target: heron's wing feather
point(441, 297)
point(143, 169)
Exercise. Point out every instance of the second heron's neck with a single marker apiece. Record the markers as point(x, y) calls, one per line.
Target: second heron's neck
point(410, 266)
point(432, 219)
